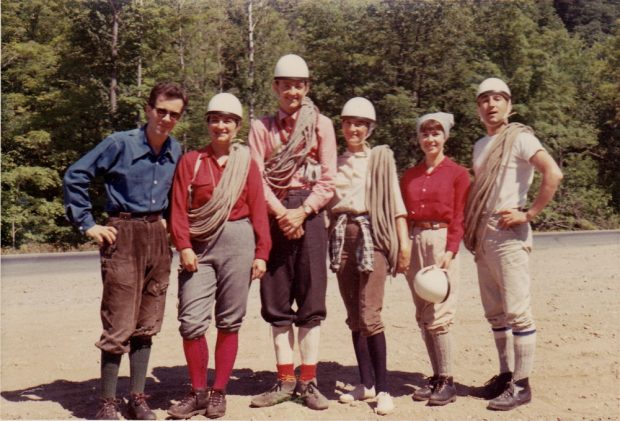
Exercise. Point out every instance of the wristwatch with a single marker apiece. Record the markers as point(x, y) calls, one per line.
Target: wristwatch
point(308, 209)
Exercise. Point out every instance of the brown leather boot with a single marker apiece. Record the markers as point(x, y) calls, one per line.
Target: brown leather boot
point(108, 409)
point(138, 408)
point(194, 403)
point(444, 392)
point(216, 405)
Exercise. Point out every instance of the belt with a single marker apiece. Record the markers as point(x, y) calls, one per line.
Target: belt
point(142, 216)
point(429, 225)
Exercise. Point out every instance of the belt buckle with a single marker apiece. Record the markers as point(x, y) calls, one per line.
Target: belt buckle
point(435, 226)
point(124, 215)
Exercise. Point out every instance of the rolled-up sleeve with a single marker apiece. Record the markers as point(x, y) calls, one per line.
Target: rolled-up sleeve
point(259, 143)
point(323, 189)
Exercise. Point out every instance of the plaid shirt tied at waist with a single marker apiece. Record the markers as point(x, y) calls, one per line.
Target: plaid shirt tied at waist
point(365, 248)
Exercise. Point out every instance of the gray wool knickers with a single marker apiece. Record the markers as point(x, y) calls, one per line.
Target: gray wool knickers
point(223, 279)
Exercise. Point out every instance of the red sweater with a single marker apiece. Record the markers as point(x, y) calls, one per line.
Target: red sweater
point(251, 202)
point(438, 197)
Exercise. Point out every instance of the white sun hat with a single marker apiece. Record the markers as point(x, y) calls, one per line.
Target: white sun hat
point(432, 284)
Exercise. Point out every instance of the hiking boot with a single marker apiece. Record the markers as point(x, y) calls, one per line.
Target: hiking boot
point(494, 387)
point(282, 391)
point(194, 403)
point(385, 404)
point(311, 396)
point(216, 406)
point(359, 393)
point(108, 409)
point(516, 394)
point(138, 408)
point(424, 393)
point(444, 392)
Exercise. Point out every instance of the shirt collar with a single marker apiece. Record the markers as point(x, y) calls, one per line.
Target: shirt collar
point(142, 147)
point(446, 162)
point(363, 154)
point(207, 152)
point(282, 115)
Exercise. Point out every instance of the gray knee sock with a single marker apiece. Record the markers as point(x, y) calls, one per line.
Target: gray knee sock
point(443, 346)
point(505, 349)
point(430, 348)
point(525, 345)
point(138, 363)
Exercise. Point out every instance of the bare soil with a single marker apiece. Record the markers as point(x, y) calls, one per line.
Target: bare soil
point(50, 366)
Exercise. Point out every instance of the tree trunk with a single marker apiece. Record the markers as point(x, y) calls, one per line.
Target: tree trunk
point(251, 84)
point(13, 231)
point(181, 43)
point(220, 66)
point(114, 57)
point(139, 69)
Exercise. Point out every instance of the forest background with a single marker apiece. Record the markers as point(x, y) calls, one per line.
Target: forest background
point(73, 71)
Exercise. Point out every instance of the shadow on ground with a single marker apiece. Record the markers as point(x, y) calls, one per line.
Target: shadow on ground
point(171, 383)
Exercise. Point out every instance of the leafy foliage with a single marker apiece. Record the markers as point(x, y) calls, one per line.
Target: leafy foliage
point(409, 57)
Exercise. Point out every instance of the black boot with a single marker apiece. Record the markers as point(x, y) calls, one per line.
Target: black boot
point(444, 392)
point(516, 394)
point(424, 393)
point(494, 387)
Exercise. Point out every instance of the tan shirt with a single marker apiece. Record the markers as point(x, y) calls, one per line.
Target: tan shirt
point(351, 181)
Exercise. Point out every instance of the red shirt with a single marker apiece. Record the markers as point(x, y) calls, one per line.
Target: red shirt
point(438, 197)
point(251, 202)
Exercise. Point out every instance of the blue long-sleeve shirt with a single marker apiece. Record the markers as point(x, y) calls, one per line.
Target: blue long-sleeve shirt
point(136, 180)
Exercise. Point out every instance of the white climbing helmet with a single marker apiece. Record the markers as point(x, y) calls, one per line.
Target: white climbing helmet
point(359, 107)
point(432, 284)
point(225, 103)
point(493, 84)
point(291, 66)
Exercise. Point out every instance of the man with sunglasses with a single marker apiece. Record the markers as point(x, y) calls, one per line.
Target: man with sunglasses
point(137, 167)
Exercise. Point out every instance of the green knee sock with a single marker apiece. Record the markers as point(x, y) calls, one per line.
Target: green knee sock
point(110, 364)
point(139, 354)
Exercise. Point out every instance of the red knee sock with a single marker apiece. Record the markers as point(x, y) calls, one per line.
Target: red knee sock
point(197, 357)
point(286, 372)
point(225, 355)
point(308, 372)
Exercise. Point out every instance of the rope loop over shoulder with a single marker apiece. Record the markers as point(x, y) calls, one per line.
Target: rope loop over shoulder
point(381, 202)
point(282, 165)
point(484, 192)
point(207, 221)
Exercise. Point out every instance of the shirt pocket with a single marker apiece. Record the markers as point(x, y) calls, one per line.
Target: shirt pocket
point(202, 191)
point(135, 187)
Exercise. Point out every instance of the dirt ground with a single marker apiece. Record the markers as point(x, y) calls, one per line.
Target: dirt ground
point(50, 366)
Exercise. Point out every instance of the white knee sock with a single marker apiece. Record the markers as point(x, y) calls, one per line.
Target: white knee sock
point(283, 342)
point(505, 350)
point(309, 339)
point(525, 345)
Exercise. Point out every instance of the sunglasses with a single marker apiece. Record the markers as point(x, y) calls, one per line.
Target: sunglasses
point(162, 112)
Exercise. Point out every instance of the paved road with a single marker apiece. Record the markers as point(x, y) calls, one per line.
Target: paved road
point(81, 262)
